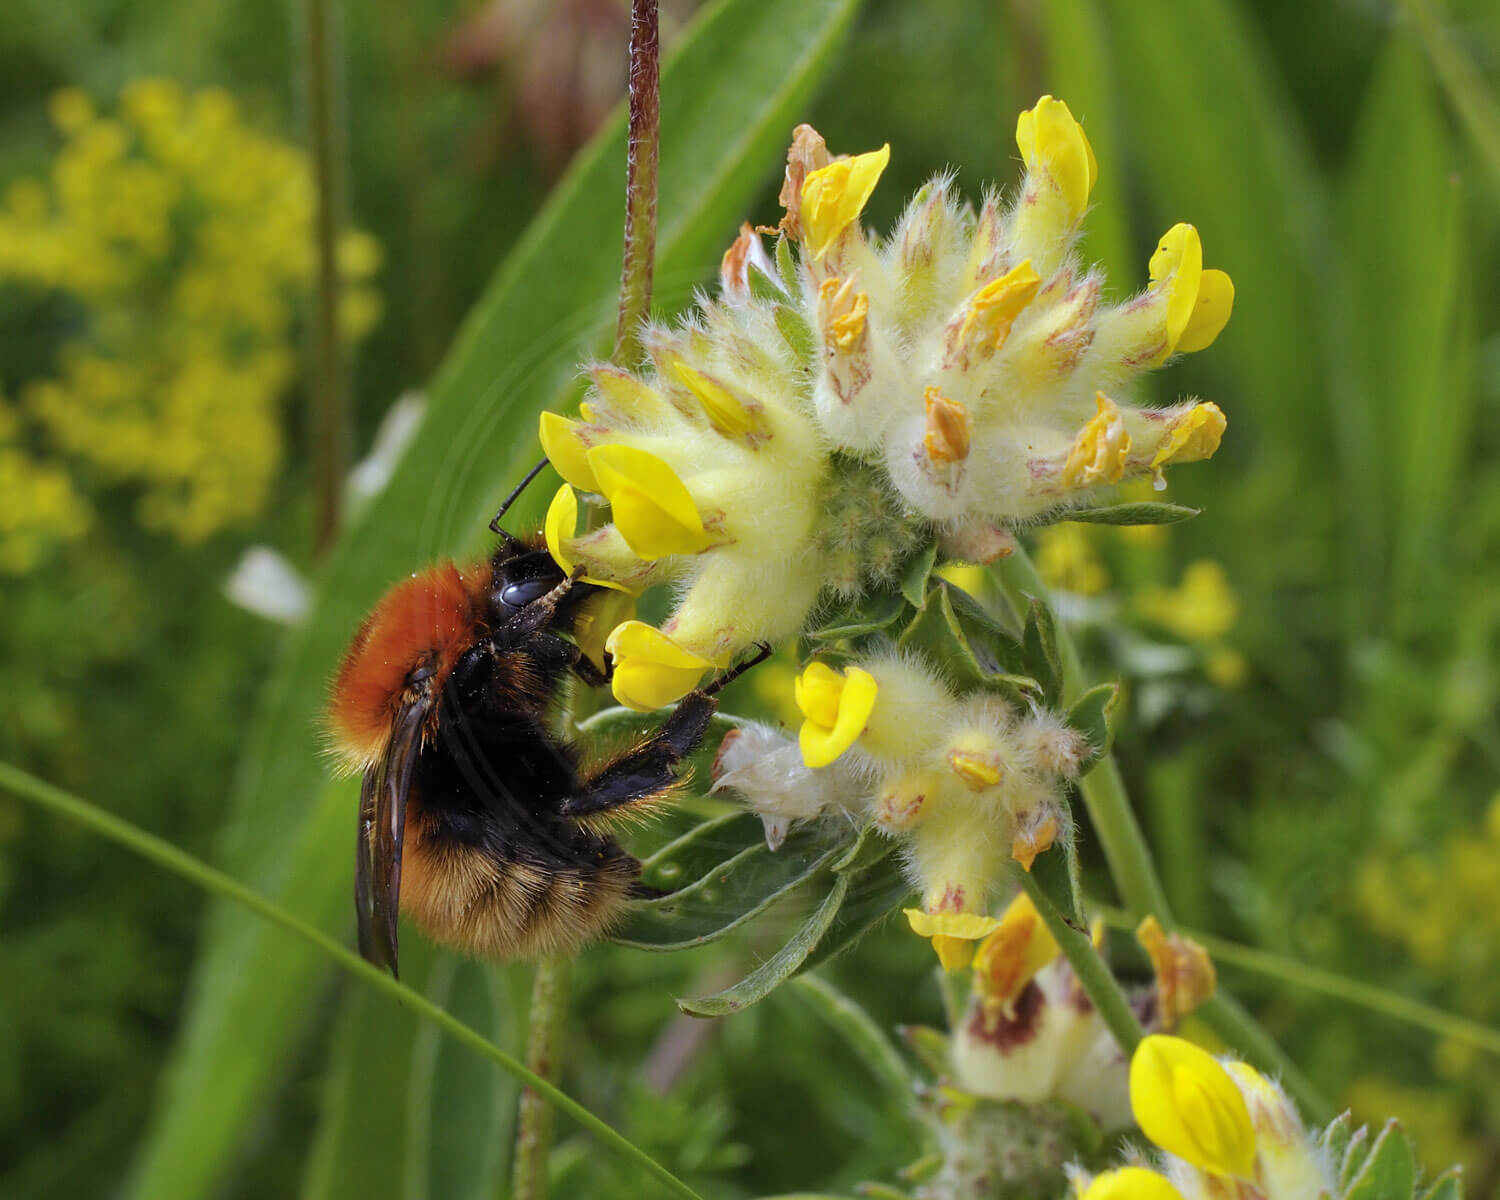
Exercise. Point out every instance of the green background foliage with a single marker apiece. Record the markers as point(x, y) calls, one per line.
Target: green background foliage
point(1333, 806)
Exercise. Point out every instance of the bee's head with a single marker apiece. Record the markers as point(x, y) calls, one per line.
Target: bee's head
point(523, 574)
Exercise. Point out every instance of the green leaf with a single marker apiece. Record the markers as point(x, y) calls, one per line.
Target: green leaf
point(777, 969)
point(795, 332)
point(360, 1143)
point(1356, 1151)
point(1447, 1186)
point(731, 92)
point(1144, 513)
point(865, 851)
point(986, 624)
point(763, 287)
point(874, 894)
point(1390, 1171)
point(870, 614)
point(1089, 715)
point(1042, 657)
point(859, 1032)
point(918, 571)
point(697, 852)
point(1336, 1137)
point(460, 1112)
point(786, 266)
point(1056, 872)
point(937, 632)
point(730, 893)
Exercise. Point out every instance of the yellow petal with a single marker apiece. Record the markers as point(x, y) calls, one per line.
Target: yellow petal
point(835, 195)
point(1187, 1104)
point(947, 433)
point(994, 308)
point(1011, 954)
point(836, 708)
point(1210, 313)
point(560, 526)
point(1100, 450)
point(1193, 436)
point(1178, 262)
point(559, 529)
point(724, 409)
point(651, 506)
point(566, 451)
point(953, 935)
point(1131, 1183)
point(1051, 139)
point(651, 670)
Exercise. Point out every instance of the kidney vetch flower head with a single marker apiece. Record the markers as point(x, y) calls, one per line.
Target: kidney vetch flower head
point(841, 406)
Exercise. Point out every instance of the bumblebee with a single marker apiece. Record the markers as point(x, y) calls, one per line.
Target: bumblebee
point(475, 818)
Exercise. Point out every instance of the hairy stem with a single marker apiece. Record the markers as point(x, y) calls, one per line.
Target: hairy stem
point(549, 1006)
point(330, 401)
point(1129, 858)
point(640, 180)
point(164, 854)
point(1092, 971)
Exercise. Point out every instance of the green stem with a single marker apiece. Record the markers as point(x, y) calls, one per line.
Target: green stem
point(1336, 987)
point(329, 391)
point(1129, 857)
point(1104, 795)
point(164, 854)
point(1092, 971)
point(639, 261)
point(549, 1006)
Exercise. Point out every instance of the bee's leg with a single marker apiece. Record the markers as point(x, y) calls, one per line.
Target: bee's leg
point(590, 674)
point(649, 768)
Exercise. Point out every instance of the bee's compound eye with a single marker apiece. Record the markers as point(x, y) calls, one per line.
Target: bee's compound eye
point(519, 595)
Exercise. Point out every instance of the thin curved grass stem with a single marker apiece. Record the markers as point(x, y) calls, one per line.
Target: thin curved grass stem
point(164, 854)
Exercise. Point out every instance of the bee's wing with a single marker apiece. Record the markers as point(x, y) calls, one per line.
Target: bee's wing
point(382, 827)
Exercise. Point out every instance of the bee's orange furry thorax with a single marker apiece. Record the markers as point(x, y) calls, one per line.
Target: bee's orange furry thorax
point(433, 616)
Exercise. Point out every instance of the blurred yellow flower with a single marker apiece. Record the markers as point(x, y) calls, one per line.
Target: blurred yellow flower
point(185, 238)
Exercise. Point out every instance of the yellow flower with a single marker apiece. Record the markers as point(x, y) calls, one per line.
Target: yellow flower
point(651, 670)
point(1202, 609)
point(952, 934)
point(835, 195)
point(566, 451)
point(1198, 302)
point(725, 410)
point(835, 707)
point(993, 309)
point(1100, 450)
point(1130, 1183)
point(599, 618)
point(1051, 140)
point(651, 507)
point(1015, 950)
point(1193, 436)
point(1187, 1104)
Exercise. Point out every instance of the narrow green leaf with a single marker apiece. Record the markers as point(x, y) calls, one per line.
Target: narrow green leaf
point(763, 287)
point(991, 626)
point(704, 847)
point(795, 332)
point(360, 1143)
point(729, 894)
point(872, 614)
point(914, 578)
point(1143, 513)
point(859, 1032)
point(1356, 1152)
point(937, 632)
point(1089, 715)
point(786, 266)
point(730, 94)
point(864, 851)
point(1056, 872)
point(874, 894)
point(777, 969)
point(1447, 1186)
point(1336, 1137)
point(460, 1112)
point(1390, 1172)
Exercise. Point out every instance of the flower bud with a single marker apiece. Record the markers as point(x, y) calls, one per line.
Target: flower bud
point(1187, 1104)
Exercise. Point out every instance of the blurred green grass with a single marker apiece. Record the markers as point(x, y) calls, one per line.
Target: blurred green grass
point(1353, 507)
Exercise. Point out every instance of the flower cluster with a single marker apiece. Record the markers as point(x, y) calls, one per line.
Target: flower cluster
point(1223, 1130)
point(182, 238)
point(842, 406)
point(969, 781)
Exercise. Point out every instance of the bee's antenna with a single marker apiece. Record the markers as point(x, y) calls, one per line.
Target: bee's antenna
point(511, 499)
point(734, 672)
